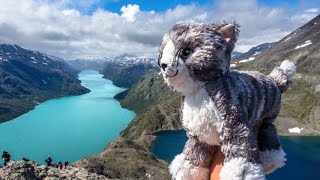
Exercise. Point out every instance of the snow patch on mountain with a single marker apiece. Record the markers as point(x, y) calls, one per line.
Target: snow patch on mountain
point(247, 60)
point(14, 46)
point(125, 59)
point(306, 43)
point(233, 65)
point(3, 59)
point(295, 130)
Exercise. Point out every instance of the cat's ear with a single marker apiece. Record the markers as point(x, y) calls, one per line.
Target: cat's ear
point(229, 32)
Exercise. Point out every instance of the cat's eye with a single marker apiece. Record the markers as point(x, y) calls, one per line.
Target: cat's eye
point(185, 53)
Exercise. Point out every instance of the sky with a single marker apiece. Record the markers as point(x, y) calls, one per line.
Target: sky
point(103, 28)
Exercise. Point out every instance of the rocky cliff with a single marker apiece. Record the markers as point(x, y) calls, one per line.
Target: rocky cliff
point(21, 170)
point(125, 159)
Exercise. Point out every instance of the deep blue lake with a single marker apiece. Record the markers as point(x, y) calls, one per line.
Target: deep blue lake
point(303, 154)
point(68, 128)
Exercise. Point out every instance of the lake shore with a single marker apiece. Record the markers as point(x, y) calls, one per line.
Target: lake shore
point(68, 128)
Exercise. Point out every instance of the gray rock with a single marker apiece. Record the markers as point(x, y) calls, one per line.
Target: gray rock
point(21, 170)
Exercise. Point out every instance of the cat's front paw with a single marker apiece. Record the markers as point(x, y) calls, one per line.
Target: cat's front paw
point(272, 160)
point(241, 169)
point(182, 169)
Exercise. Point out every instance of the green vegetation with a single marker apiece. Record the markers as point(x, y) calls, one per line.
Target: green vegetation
point(125, 75)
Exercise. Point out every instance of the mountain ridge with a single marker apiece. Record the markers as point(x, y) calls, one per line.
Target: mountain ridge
point(124, 70)
point(28, 78)
point(252, 51)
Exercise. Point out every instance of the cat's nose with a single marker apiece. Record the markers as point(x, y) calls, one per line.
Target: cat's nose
point(164, 66)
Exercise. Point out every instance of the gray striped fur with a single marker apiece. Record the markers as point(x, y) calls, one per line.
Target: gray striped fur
point(231, 109)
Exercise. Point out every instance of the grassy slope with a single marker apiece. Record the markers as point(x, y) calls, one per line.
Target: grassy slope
point(125, 75)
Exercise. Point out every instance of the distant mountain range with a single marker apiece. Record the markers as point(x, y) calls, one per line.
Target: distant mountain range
point(28, 78)
point(124, 70)
point(252, 51)
point(122, 60)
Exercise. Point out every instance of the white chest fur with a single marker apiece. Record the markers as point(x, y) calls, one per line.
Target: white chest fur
point(200, 117)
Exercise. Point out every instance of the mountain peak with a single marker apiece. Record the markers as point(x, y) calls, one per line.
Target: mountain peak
point(308, 32)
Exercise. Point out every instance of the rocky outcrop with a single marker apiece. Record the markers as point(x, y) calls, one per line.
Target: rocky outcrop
point(125, 159)
point(21, 170)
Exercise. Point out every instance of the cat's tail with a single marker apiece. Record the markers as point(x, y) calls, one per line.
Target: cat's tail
point(283, 75)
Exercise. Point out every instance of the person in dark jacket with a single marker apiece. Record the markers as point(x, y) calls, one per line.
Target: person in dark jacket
point(49, 161)
point(6, 157)
point(60, 165)
point(66, 163)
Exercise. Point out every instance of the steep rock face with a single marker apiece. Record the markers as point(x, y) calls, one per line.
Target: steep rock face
point(125, 159)
point(29, 77)
point(301, 104)
point(22, 170)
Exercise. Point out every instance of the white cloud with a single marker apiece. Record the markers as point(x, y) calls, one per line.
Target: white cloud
point(129, 12)
point(306, 15)
point(58, 28)
point(312, 10)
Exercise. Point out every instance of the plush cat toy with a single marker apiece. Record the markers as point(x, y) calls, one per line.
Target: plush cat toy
point(231, 110)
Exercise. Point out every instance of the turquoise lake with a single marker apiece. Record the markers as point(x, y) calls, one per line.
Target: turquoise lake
point(68, 128)
point(303, 154)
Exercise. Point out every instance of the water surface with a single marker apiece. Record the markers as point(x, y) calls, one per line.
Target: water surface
point(303, 154)
point(68, 128)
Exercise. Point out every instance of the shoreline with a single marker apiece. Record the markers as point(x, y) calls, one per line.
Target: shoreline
point(37, 103)
point(33, 154)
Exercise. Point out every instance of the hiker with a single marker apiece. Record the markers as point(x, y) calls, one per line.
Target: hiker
point(48, 161)
point(6, 157)
point(66, 163)
point(60, 165)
